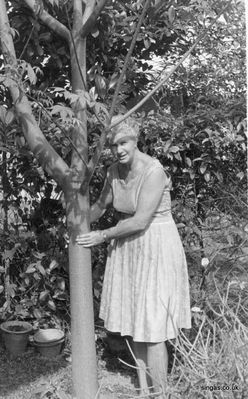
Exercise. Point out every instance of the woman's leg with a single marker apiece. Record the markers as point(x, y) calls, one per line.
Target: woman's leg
point(157, 359)
point(140, 352)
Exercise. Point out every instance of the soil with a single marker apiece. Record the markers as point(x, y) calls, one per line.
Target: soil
point(16, 328)
point(26, 376)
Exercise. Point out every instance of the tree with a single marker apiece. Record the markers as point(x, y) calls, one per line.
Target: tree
point(20, 78)
point(69, 178)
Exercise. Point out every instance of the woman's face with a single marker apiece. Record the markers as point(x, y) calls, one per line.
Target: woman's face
point(123, 147)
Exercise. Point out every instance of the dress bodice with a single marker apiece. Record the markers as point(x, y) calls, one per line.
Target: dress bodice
point(126, 194)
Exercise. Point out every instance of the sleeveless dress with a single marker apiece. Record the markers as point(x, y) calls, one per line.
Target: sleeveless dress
point(145, 291)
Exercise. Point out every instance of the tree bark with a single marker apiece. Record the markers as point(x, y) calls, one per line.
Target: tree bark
point(84, 368)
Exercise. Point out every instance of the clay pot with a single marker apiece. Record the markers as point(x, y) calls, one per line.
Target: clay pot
point(15, 336)
point(49, 342)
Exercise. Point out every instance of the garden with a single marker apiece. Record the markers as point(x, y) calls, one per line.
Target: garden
point(179, 68)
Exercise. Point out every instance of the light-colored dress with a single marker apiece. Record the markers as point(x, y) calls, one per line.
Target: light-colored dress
point(146, 291)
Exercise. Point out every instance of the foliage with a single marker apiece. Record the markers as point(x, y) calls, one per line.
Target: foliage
point(35, 283)
point(204, 151)
point(109, 39)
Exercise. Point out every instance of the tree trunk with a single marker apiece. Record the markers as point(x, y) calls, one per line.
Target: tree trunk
point(82, 316)
point(84, 368)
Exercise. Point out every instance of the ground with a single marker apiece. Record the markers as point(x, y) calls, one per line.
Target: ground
point(29, 375)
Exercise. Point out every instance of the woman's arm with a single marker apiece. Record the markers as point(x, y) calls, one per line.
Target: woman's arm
point(100, 206)
point(148, 201)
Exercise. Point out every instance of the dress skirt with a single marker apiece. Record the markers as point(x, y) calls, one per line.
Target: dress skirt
point(146, 290)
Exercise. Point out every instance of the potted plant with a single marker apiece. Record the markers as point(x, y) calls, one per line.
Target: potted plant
point(15, 336)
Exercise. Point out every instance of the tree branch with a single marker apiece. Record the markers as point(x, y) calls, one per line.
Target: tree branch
point(63, 131)
point(48, 20)
point(44, 152)
point(89, 9)
point(130, 51)
point(78, 82)
point(94, 160)
point(166, 78)
point(92, 18)
point(96, 156)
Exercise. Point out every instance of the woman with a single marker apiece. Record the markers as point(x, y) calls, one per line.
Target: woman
point(145, 291)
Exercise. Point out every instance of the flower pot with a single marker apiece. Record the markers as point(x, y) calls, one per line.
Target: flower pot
point(49, 349)
point(15, 336)
point(49, 342)
point(48, 335)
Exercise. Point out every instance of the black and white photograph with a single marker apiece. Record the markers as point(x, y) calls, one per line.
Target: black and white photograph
point(123, 199)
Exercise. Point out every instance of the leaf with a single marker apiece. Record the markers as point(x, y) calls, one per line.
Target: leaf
point(37, 314)
point(92, 72)
point(180, 225)
point(166, 147)
point(9, 117)
point(43, 295)
point(31, 74)
point(207, 176)
point(96, 293)
point(39, 255)
point(93, 94)
point(41, 268)
point(113, 80)
point(171, 14)
point(147, 43)
point(11, 290)
point(101, 111)
point(95, 33)
point(188, 161)
point(63, 111)
point(8, 254)
point(61, 284)
point(20, 311)
point(27, 280)
point(36, 276)
point(61, 296)
point(178, 156)
point(203, 168)
point(174, 148)
point(219, 176)
point(1, 288)
point(101, 86)
point(51, 305)
point(240, 175)
point(72, 96)
point(31, 269)
point(2, 113)
point(191, 174)
point(53, 265)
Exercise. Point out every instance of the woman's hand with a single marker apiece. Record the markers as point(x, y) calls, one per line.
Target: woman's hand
point(90, 239)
